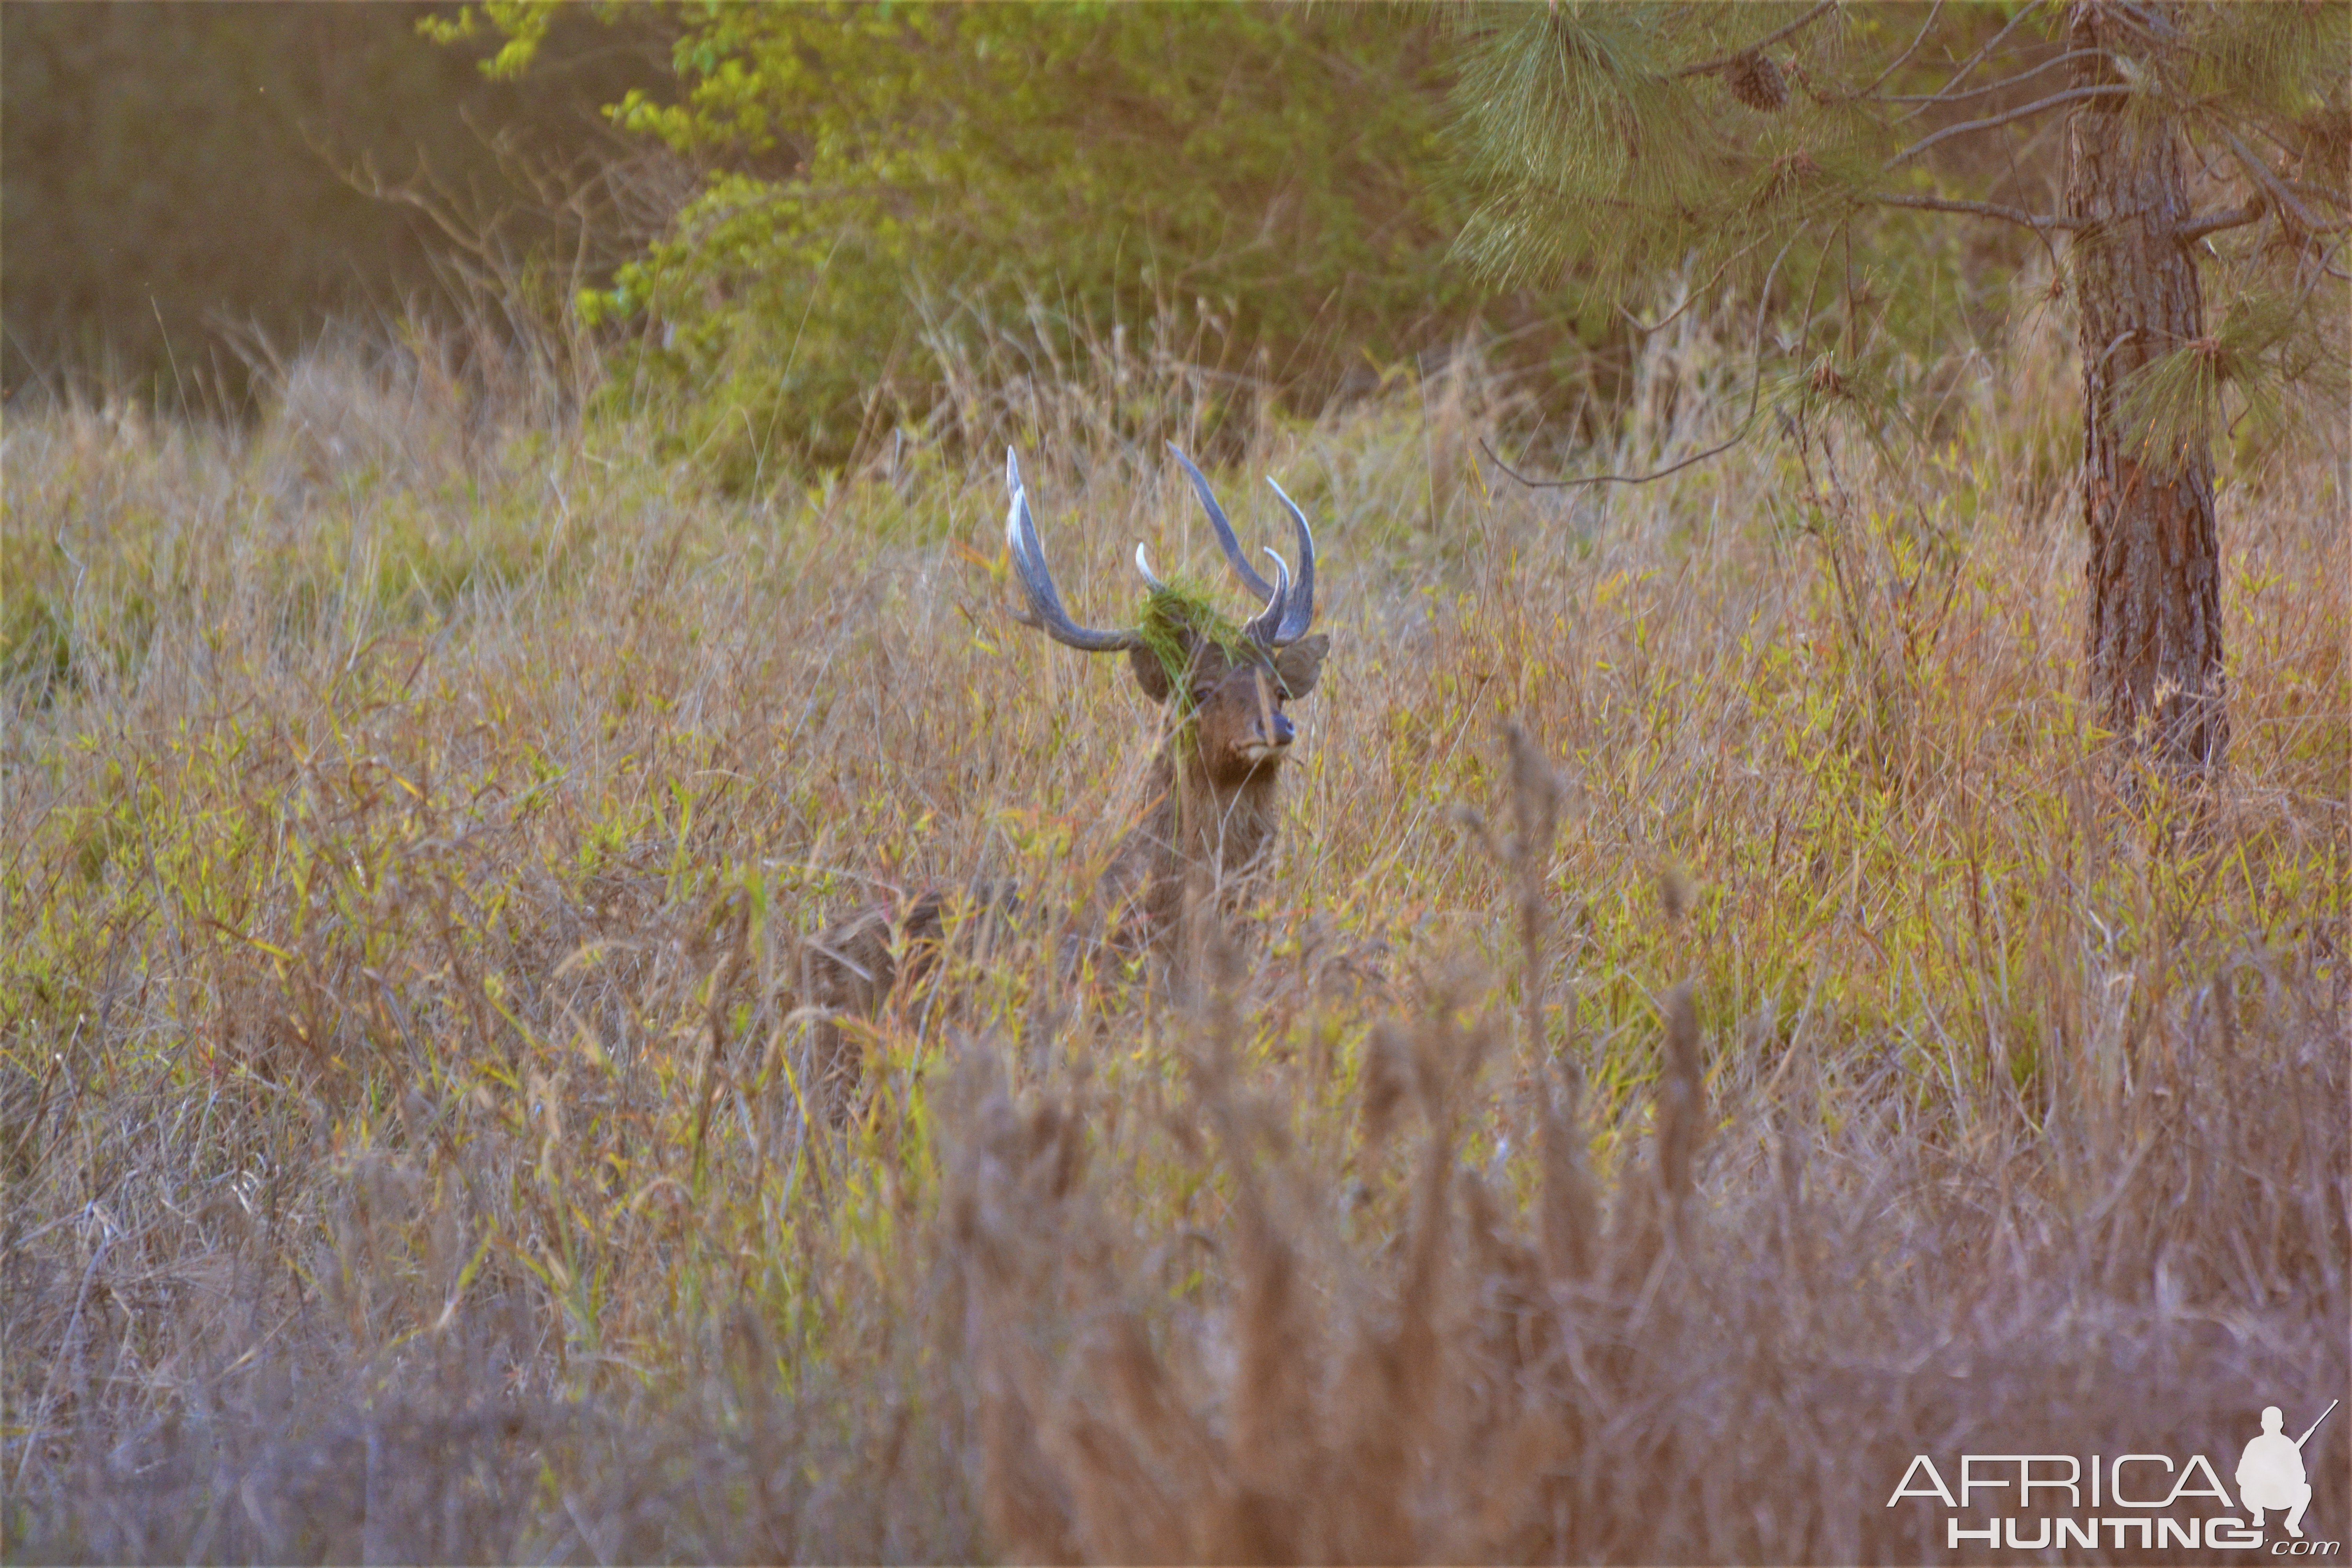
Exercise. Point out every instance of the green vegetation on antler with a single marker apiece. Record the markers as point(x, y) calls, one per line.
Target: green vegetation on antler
point(1174, 619)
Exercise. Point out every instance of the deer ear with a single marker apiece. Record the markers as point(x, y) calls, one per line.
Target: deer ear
point(1149, 673)
point(1301, 665)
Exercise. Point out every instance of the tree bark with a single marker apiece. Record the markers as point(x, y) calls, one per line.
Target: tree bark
point(2153, 638)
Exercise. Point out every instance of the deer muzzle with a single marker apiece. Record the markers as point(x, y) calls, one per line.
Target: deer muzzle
point(1272, 732)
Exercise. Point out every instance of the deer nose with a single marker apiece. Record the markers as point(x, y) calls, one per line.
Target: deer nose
point(1282, 732)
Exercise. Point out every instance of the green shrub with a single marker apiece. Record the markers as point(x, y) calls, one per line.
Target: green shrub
point(893, 191)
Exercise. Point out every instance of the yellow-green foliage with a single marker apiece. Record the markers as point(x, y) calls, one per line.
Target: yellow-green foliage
point(1822, 161)
point(1251, 188)
point(1175, 619)
point(403, 1094)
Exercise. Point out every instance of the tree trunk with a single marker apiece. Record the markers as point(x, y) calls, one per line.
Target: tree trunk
point(2153, 638)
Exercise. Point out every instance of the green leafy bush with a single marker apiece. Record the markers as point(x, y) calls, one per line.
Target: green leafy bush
point(890, 190)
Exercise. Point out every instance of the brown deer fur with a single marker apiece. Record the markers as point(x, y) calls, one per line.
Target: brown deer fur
point(1213, 792)
point(1211, 798)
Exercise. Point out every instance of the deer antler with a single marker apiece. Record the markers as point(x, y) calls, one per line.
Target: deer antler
point(1263, 627)
point(1291, 602)
point(1046, 612)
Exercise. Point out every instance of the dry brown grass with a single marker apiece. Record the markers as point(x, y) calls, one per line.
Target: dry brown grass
point(409, 821)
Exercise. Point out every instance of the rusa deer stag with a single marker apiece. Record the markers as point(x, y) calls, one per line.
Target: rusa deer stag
point(1212, 794)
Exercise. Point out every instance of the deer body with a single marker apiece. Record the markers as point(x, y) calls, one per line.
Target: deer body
point(1211, 795)
point(1197, 845)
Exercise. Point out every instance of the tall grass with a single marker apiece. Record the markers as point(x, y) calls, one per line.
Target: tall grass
point(1807, 1048)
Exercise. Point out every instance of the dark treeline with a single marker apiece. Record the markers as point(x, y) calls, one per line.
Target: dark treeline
point(804, 226)
point(180, 183)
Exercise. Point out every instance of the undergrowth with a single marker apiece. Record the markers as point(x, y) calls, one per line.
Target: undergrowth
point(406, 1133)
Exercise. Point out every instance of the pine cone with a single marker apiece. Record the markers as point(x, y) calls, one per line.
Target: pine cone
point(1756, 81)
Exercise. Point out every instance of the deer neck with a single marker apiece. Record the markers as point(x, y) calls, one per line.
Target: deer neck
point(1223, 826)
point(1201, 839)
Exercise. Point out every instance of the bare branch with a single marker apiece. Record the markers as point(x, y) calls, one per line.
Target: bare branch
point(2271, 182)
point(2300, 187)
point(2038, 222)
point(1976, 60)
point(1934, 11)
point(2072, 94)
point(1747, 423)
point(1693, 297)
point(2214, 223)
point(1741, 435)
point(1717, 64)
point(2331, 196)
point(2007, 81)
point(2147, 23)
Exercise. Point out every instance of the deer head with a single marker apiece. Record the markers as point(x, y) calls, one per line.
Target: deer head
point(1229, 687)
point(1212, 813)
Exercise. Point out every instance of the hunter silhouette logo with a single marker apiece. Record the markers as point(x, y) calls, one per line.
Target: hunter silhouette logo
point(2270, 1472)
point(2148, 1501)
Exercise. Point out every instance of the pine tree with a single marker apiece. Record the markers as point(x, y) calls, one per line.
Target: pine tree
point(2203, 148)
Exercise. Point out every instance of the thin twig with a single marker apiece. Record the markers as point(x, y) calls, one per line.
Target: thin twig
point(2270, 181)
point(1934, 11)
point(2007, 81)
point(1975, 60)
point(1717, 64)
point(2071, 95)
point(1747, 423)
point(1646, 328)
point(2214, 223)
point(2035, 221)
point(2327, 193)
point(2147, 23)
point(73, 1324)
point(1741, 435)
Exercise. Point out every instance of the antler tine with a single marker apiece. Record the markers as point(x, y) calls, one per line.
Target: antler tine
point(1143, 565)
point(1264, 628)
point(1301, 612)
point(1226, 541)
point(1045, 610)
point(1298, 611)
